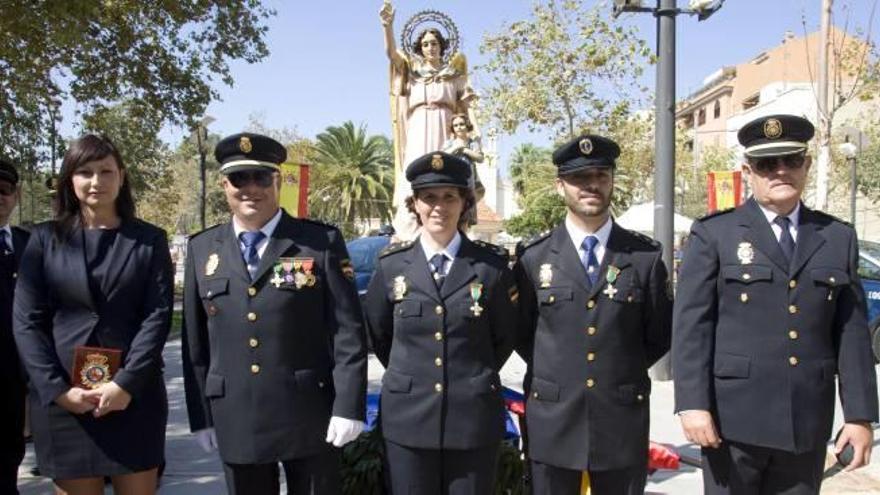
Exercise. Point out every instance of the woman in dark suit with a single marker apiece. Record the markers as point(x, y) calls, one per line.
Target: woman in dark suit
point(441, 311)
point(95, 277)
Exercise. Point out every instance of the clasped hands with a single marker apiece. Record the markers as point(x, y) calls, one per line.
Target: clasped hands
point(340, 431)
point(100, 401)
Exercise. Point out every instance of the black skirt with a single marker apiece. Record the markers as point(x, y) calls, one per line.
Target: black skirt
point(70, 446)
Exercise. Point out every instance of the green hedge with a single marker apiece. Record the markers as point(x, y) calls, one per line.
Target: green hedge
point(362, 468)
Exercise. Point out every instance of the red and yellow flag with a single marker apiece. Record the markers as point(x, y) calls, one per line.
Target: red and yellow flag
point(724, 189)
point(295, 189)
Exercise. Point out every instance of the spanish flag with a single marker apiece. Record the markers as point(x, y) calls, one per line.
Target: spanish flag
point(724, 189)
point(295, 189)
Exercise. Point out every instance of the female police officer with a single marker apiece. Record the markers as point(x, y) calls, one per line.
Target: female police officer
point(441, 312)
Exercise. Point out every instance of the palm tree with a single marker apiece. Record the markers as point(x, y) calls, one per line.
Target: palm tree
point(354, 175)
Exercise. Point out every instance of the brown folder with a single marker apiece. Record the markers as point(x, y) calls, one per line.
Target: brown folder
point(94, 366)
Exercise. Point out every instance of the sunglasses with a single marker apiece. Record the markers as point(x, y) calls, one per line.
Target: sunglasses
point(772, 163)
point(7, 189)
point(262, 178)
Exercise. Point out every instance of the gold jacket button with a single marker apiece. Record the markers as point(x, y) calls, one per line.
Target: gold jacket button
point(209, 294)
point(591, 304)
point(438, 362)
point(793, 361)
point(792, 284)
point(591, 331)
point(551, 299)
point(535, 394)
point(744, 297)
point(253, 342)
point(792, 309)
point(252, 291)
point(255, 368)
point(591, 383)
point(591, 356)
point(438, 310)
point(493, 387)
point(438, 336)
point(792, 334)
point(832, 280)
point(746, 276)
point(252, 317)
point(438, 387)
point(640, 397)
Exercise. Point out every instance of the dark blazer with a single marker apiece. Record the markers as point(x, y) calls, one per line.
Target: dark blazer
point(441, 387)
point(267, 363)
point(54, 311)
point(589, 349)
point(753, 333)
point(10, 365)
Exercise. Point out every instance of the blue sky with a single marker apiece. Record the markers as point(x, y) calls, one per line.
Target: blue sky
point(328, 65)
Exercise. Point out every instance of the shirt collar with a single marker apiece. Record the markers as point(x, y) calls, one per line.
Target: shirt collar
point(794, 216)
point(578, 235)
point(267, 229)
point(8, 230)
point(451, 249)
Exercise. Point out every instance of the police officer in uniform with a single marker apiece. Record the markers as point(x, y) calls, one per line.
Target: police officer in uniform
point(596, 315)
point(12, 242)
point(769, 310)
point(441, 311)
point(274, 345)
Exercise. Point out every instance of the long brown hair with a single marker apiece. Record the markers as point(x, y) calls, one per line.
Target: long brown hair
point(88, 148)
point(467, 194)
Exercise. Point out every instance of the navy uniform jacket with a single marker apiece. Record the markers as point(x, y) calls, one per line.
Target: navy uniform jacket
point(54, 311)
point(589, 350)
point(268, 361)
point(10, 365)
point(755, 335)
point(441, 387)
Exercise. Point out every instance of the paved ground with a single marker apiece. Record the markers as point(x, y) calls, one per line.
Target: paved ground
point(191, 471)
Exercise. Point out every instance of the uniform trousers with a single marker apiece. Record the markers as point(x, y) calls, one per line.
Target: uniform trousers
point(742, 469)
point(554, 480)
point(412, 471)
point(11, 437)
point(313, 475)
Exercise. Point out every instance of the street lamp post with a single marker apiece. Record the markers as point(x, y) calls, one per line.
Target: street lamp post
point(664, 130)
point(202, 143)
point(850, 151)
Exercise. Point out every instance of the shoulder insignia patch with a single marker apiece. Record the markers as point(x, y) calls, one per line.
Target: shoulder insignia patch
point(831, 217)
point(318, 222)
point(494, 249)
point(208, 229)
point(715, 214)
point(395, 247)
point(531, 241)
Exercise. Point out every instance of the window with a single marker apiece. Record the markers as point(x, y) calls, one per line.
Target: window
point(716, 113)
point(701, 116)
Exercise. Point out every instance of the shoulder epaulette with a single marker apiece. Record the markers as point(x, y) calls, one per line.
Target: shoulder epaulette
point(494, 249)
point(531, 241)
point(832, 217)
point(715, 214)
point(644, 238)
point(395, 247)
point(208, 229)
point(320, 223)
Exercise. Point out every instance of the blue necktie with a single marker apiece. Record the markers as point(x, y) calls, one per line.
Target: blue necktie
point(786, 242)
point(5, 248)
point(437, 262)
point(250, 241)
point(589, 260)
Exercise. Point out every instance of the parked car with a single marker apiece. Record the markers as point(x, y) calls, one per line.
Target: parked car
point(869, 271)
point(363, 253)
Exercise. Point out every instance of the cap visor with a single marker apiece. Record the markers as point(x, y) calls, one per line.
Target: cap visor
point(775, 149)
point(240, 165)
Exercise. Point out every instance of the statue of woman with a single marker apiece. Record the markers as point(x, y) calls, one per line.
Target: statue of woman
point(428, 86)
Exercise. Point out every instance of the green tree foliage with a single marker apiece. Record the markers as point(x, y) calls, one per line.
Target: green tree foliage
point(533, 174)
point(352, 177)
point(162, 56)
point(564, 69)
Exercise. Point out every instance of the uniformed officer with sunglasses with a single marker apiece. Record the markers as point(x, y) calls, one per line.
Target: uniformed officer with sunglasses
point(769, 311)
point(274, 346)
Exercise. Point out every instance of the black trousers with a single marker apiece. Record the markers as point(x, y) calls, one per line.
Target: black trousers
point(11, 437)
point(411, 471)
point(743, 469)
point(554, 480)
point(315, 475)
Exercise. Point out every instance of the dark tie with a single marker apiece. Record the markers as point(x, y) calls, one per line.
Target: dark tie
point(5, 249)
point(786, 242)
point(437, 262)
point(591, 264)
point(250, 241)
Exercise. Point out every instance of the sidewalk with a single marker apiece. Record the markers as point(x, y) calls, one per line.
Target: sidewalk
point(190, 471)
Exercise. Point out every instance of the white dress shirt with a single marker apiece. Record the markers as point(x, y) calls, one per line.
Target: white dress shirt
point(451, 251)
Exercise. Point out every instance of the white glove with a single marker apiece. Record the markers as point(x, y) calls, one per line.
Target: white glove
point(340, 431)
point(207, 439)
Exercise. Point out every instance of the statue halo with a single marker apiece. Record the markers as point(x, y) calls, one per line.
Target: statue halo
point(425, 19)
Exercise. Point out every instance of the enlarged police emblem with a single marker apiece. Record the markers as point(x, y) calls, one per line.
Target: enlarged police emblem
point(586, 146)
point(399, 287)
point(212, 264)
point(95, 371)
point(546, 275)
point(745, 253)
point(244, 144)
point(772, 128)
point(437, 162)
